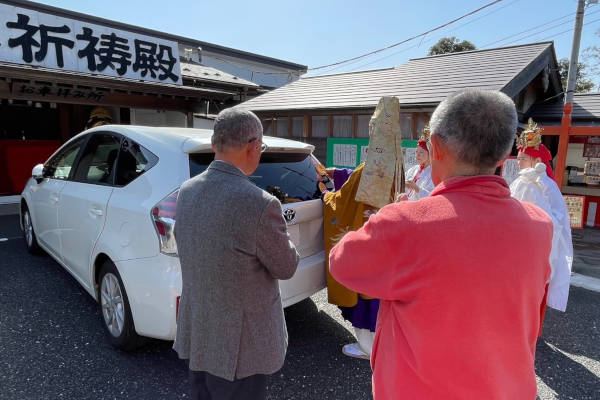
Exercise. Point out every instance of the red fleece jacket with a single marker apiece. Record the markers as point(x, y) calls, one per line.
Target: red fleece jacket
point(461, 276)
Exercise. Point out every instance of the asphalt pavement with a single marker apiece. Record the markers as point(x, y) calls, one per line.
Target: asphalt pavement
point(52, 345)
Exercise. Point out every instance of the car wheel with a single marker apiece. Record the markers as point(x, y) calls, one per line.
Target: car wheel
point(29, 234)
point(114, 309)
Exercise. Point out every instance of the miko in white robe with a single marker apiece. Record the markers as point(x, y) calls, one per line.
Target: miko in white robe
point(423, 181)
point(533, 185)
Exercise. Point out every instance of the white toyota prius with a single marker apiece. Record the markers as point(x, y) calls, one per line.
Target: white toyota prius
point(104, 207)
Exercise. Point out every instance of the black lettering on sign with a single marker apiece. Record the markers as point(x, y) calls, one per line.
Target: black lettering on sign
point(114, 50)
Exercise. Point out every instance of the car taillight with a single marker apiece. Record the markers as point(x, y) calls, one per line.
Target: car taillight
point(163, 216)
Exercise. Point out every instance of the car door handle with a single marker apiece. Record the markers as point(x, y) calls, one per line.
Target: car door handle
point(96, 211)
point(54, 198)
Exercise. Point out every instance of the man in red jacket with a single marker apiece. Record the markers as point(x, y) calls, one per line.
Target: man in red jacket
point(461, 274)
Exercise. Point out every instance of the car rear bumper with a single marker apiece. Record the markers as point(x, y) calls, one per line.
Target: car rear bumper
point(308, 279)
point(153, 285)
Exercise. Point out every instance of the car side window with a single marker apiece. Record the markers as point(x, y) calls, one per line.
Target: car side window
point(59, 166)
point(98, 160)
point(134, 160)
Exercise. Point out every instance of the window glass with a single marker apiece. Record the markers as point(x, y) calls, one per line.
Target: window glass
point(98, 160)
point(267, 126)
point(290, 177)
point(297, 126)
point(320, 126)
point(282, 127)
point(134, 160)
point(59, 166)
point(406, 125)
point(363, 126)
point(342, 126)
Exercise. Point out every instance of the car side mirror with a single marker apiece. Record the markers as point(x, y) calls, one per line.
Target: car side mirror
point(37, 172)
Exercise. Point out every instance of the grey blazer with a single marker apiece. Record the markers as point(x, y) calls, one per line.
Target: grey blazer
point(233, 246)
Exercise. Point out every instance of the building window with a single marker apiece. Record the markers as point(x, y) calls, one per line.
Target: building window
point(406, 125)
point(421, 122)
point(282, 127)
point(320, 126)
point(267, 123)
point(363, 126)
point(297, 126)
point(342, 126)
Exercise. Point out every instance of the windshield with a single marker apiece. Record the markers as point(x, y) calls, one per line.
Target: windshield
point(290, 177)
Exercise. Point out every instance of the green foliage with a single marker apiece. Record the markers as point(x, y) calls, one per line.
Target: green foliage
point(582, 83)
point(450, 45)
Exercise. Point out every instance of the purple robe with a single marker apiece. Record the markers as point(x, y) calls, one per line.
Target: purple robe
point(364, 314)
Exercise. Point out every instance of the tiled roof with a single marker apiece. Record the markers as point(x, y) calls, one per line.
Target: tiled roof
point(204, 73)
point(421, 81)
point(585, 107)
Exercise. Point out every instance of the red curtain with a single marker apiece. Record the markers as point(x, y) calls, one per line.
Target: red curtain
point(18, 157)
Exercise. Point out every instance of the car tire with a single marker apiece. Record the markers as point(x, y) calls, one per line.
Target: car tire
point(29, 233)
point(115, 312)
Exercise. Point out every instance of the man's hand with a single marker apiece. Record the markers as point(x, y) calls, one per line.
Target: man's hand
point(402, 197)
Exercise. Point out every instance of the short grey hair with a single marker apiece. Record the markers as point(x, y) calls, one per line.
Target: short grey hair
point(234, 128)
point(479, 126)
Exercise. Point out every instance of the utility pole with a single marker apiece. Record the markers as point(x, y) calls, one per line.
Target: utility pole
point(572, 76)
point(565, 126)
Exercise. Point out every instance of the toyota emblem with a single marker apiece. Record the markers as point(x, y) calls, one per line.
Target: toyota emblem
point(289, 215)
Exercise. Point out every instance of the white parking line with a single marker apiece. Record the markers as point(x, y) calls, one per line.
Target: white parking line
point(586, 282)
point(6, 239)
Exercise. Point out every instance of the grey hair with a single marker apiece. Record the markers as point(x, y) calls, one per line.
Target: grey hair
point(479, 126)
point(234, 128)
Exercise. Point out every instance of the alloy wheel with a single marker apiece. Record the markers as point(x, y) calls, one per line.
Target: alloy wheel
point(113, 309)
point(28, 228)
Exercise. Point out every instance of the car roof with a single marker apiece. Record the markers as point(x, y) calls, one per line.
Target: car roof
point(193, 140)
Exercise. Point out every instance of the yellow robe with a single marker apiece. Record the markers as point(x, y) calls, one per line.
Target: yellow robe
point(342, 214)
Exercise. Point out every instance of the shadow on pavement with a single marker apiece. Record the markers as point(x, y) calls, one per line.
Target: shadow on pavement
point(568, 354)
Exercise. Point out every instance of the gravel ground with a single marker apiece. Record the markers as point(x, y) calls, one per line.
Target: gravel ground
point(52, 345)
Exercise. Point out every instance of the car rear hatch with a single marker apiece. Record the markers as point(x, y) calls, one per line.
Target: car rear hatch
point(291, 176)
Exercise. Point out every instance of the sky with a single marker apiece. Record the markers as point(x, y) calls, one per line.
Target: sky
point(317, 33)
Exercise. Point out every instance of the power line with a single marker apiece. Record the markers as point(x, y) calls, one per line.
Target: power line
point(554, 34)
point(406, 40)
point(528, 30)
point(419, 44)
point(570, 30)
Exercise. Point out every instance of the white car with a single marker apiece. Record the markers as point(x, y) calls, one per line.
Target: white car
point(103, 206)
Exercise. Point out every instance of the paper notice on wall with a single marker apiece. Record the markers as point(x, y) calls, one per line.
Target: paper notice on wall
point(410, 157)
point(344, 155)
point(363, 154)
point(510, 170)
point(575, 209)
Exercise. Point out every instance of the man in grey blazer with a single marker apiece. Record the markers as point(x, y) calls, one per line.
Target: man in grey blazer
point(233, 246)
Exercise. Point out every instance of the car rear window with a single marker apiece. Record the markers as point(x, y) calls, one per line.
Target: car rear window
point(290, 177)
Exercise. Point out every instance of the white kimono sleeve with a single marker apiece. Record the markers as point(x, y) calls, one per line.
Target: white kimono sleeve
point(561, 258)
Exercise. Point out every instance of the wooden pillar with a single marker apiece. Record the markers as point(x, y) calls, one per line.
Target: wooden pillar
point(330, 131)
point(290, 126)
point(189, 120)
point(354, 125)
point(563, 145)
point(307, 126)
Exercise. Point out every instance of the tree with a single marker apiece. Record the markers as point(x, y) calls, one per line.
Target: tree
point(450, 45)
point(582, 83)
